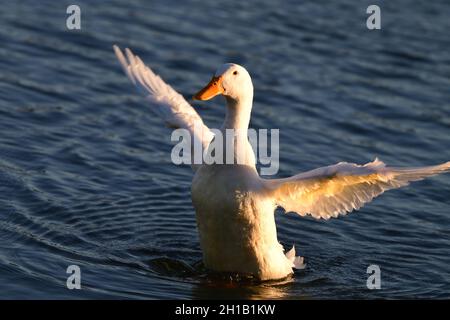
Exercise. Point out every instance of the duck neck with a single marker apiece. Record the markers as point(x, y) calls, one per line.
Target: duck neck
point(238, 114)
point(237, 119)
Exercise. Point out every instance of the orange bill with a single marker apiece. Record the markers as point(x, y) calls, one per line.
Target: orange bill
point(212, 89)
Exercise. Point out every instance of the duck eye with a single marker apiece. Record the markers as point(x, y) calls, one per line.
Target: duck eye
point(235, 72)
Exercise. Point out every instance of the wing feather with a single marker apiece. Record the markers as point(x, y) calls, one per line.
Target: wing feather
point(168, 104)
point(336, 190)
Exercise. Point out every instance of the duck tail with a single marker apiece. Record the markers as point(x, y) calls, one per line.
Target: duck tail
point(297, 261)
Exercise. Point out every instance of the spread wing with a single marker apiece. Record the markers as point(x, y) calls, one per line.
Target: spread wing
point(330, 191)
point(168, 104)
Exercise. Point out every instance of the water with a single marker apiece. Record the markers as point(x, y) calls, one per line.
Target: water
point(85, 170)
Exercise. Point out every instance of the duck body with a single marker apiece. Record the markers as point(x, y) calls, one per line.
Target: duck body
point(236, 222)
point(234, 211)
point(235, 206)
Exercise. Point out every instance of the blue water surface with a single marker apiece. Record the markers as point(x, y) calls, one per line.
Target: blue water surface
point(85, 170)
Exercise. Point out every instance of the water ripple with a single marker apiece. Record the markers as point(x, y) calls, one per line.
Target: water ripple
point(85, 170)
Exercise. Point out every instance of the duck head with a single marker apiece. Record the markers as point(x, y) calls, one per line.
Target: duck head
point(230, 80)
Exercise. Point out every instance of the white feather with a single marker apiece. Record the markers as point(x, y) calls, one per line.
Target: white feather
point(168, 104)
point(330, 191)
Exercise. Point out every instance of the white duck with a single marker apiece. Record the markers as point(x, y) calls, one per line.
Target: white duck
point(234, 206)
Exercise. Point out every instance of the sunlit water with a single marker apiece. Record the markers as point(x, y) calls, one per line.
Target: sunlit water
point(85, 170)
